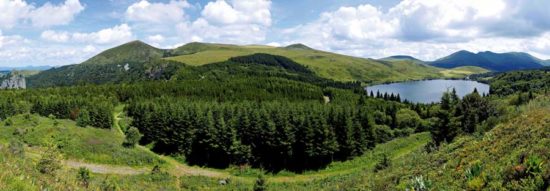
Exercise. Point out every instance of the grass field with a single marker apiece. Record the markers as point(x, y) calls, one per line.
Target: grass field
point(88, 144)
point(328, 65)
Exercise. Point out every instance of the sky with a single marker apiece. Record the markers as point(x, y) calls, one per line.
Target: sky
point(61, 32)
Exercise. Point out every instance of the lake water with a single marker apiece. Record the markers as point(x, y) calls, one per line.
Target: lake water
point(428, 91)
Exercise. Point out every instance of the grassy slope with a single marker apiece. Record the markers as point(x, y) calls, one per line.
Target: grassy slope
point(328, 65)
point(87, 144)
point(526, 131)
point(462, 71)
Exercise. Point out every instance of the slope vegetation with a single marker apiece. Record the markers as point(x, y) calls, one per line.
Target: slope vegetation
point(325, 64)
point(490, 60)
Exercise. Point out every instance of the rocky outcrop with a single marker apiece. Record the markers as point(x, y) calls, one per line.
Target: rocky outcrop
point(13, 80)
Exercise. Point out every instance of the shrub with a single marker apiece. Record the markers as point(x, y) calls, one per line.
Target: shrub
point(83, 118)
point(474, 171)
point(17, 148)
point(260, 184)
point(534, 165)
point(418, 183)
point(8, 122)
point(84, 176)
point(50, 162)
point(382, 164)
point(109, 185)
point(132, 137)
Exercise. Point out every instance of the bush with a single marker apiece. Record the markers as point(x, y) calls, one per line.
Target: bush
point(382, 164)
point(8, 122)
point(260, 184)
point(418, 183)
point(132, 137)
point(84, 176)
point(109, 185)
point(17, 148)
point(83, 118)
point(50, 162)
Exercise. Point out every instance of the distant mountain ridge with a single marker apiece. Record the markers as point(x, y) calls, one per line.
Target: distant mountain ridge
point(489, 60)
point(403, 58)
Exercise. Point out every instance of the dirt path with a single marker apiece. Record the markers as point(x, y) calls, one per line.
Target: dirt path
point(106, 169)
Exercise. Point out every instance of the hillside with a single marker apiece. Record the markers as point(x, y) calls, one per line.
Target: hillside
point(137, 61)
point(489, 60)
point(403, 58)
point(131, 52)
point(325, 64)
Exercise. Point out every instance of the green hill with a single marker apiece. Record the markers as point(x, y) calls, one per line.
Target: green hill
point(137, 61)
point(135, 51)
point(490, 60)
point(325, 64)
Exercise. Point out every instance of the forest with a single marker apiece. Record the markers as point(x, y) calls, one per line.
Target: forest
point(280, 120)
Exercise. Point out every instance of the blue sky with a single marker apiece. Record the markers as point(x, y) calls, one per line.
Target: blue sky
point(60, 32)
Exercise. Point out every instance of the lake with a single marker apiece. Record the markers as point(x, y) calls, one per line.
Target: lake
point(428, 91)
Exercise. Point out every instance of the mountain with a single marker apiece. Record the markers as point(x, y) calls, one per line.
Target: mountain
point(126, 63)
point(33, 68)
point(325, 64)
point(298, 46)
point(403, 58)
point(489, 60)
point(135, 51)
point(139, 61)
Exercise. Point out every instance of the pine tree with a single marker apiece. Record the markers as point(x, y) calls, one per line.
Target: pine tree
point(83, 119)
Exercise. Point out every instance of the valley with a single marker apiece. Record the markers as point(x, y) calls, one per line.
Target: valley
point(227, 117)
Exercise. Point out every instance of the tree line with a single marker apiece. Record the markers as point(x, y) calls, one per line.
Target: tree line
point(272, 135)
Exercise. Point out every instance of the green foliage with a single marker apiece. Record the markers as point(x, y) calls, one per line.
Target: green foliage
point(83, 118)
point(473, 171)
point(260, 184)
point(84, 176)
point(8, 122)
point(132, 137)
point(109, 185)
point(382, 164)
point(17, 148)
point(420, 183)
point(50, 162)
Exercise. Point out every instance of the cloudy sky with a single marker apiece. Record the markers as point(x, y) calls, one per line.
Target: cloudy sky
point(59, 32)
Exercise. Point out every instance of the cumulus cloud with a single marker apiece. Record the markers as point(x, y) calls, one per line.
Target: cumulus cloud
point(157, 13)
point(51, 15)
point(117, 34)
point(13, 12)
point(238, 22)
point(239, 12)
point(156, 38)
point(54, 36)
point(8, 41)
point(428, 28)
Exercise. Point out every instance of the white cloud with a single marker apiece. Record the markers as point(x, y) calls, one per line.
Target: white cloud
point(157, 13)
point(117, 34)
point(239, 12)
point(52, 15)
point(429, 28)
point(156, 38)
point(13, 12)
point(9, 41)
point(54, 36)
point(240, 22)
